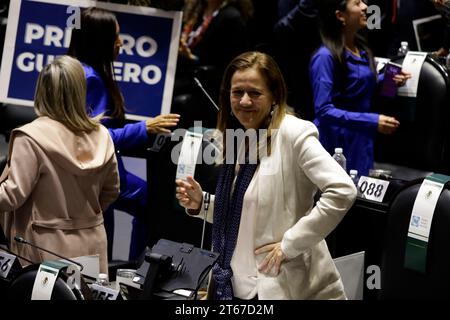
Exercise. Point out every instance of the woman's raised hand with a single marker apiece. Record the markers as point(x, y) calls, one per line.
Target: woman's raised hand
point(161, 123)
point(189, 194)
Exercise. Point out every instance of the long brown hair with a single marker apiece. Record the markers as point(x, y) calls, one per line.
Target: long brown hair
point(93, 44)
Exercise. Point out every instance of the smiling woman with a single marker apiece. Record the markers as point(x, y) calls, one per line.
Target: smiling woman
point(343, 79)
point(266, 226)
point(251, 100)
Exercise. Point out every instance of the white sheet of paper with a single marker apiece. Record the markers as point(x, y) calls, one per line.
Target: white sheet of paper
point(423, 210)
point(188, 155)
point(91, 265)
point(412, 63)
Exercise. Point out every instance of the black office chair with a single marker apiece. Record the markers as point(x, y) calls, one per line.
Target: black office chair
point(423, 138)
point(22, 287)
point(3, 154)
point(168, 219)
point(397, 282)
point(12, 116)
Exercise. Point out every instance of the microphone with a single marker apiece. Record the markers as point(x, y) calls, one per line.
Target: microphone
point(199, 84)
point(23, 241)
point(206, 201)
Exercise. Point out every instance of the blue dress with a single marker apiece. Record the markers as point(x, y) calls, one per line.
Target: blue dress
point(342, 107)
point(133, 190)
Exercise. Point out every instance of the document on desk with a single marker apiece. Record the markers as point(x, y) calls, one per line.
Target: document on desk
point(412, 63)
point(91, 265)
point(188, 155)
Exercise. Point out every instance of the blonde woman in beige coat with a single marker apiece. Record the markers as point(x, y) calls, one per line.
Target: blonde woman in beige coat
point(61, 173)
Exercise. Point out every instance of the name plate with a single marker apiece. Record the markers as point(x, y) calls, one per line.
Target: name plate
point(6, 262)
point(372, 188)
point(103, 293)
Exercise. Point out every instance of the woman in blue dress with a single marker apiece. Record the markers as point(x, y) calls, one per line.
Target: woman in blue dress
point(343, 81)
point(96, 44)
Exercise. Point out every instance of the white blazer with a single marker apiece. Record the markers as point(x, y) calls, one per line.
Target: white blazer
point(288, 180)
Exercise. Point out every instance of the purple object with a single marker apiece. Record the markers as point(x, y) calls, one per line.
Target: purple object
point(389, 88)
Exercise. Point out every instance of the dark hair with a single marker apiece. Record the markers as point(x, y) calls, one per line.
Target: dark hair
point(93, 44)
point(331, 32)
point(193, 9)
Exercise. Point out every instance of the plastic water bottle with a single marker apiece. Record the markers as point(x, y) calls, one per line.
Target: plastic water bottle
point(340, 158)
point(102, 280)
point(447, 61)
point(354, 176)
point(404, 48)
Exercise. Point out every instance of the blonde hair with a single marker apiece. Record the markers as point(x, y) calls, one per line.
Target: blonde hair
point(61, 94)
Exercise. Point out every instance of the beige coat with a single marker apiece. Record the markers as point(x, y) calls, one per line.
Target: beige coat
point(56, 188)
point(286, 212)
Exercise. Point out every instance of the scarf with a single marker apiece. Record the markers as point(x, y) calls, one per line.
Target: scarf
point(227, 217)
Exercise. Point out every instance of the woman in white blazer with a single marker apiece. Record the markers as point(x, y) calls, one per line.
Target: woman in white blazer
point(268, 230)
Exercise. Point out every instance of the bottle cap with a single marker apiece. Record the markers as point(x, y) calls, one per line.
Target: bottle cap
point(338, 150)
point(353, 171)
point(404, 43)
point(103, 276)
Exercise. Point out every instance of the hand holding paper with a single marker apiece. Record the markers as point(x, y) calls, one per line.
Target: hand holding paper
point(401, 78)
point(189, 193)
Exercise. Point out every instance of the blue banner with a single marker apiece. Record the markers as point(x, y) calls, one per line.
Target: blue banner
point(40, 30)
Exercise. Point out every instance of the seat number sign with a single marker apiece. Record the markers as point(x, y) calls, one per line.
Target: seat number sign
point(6, 262)
point(372, 189)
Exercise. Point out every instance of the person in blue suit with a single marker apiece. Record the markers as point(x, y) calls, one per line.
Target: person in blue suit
point(343, 80)
point(96, 44)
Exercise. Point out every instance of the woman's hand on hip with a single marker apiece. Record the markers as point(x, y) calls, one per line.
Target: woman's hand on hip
point(273, 259)
point(189, 193)
point(160, 123)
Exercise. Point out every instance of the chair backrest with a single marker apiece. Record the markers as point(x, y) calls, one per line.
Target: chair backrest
point(422, 141)
point(13, 116)
point(22, 287)
point(168, 219)
point(398, 282)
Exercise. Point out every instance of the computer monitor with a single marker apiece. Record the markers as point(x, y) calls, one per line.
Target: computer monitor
point(429, 32)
